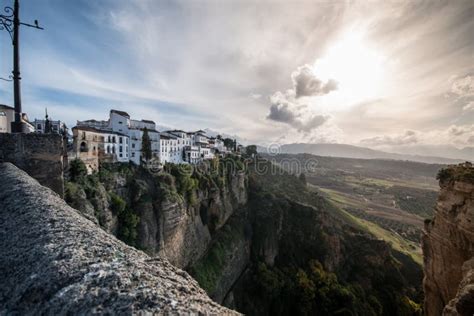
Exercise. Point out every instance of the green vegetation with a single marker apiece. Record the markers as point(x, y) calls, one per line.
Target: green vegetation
point(251, 150)
point(229, 143)
point(416, 201)
point(128, 220)
point(94, 188)
point(312, 291)
point(462, 172)
point(77, 169)
point(146, 145)
point(208, 270)
point(307, 233)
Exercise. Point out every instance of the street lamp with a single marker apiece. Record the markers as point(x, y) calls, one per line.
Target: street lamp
point(10, 21)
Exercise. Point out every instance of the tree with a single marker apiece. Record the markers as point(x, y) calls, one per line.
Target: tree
point(146, 145)
point(251, 150)
point(229, 143)
point(77, 170)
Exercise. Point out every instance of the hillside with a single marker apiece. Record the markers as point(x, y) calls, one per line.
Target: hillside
point(389, 198)
point(350, 151)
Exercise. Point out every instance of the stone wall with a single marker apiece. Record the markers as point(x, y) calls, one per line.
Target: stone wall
point(40, 155)
point(53, 261)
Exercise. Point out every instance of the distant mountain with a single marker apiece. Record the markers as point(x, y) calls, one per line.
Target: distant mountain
point(447, 151)
point(350, 151)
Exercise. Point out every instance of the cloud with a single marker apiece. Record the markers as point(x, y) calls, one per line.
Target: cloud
point(286, 108)
point(463, 86)
point(285, 111)
point(460, 130)
point(457, 135)
point(306, 84)
point(469, 107)
point(407, 138)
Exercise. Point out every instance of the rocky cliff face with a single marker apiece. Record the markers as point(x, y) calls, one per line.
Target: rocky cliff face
point(55, 261)
point(175, 220)
point(288, 252)
point(448, 246)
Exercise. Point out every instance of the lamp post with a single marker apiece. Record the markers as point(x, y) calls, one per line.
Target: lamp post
point(10, 21)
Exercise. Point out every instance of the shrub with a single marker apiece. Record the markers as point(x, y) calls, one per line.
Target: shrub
point(117, 204)
point(77, 170)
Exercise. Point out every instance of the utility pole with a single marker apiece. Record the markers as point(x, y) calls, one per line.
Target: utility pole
point(12, 18)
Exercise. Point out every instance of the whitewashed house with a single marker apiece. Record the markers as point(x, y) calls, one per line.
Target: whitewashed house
point(122, 138)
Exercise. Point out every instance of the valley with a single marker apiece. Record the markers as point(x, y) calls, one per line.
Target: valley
point(391, 199)
point(258, 238)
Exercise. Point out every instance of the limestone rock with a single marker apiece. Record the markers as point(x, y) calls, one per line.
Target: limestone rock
point(448, 246)
point(55, 261)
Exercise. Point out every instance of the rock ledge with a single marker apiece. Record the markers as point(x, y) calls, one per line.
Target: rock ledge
point(55, 261)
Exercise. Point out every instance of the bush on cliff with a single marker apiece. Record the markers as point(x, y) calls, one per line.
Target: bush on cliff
point(127, 219)
point(77, 170)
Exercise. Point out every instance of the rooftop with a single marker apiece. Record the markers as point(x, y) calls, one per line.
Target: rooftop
point(6, 107)
point(120, 113)
point(97, 130)
point(148, 121)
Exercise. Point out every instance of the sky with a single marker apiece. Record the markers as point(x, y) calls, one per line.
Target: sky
point(380, 74)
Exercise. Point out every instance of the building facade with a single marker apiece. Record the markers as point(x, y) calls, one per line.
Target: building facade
point(120, 139)
point(57, 127)
point(7, 116)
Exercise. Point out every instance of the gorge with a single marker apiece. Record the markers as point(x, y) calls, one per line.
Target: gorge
point(256, 242)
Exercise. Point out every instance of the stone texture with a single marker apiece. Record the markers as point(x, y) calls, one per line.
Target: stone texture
point(175, 229)
point(55, 261)
point(40, 155)
point(448, 248)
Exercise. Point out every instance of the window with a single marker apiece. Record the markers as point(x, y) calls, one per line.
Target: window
point(120, 140)
point(39, 126)
point(121, 150)
point(133, 145)
point(133, 154)
point(120, 155)
point(83, 147)
point(120, 122)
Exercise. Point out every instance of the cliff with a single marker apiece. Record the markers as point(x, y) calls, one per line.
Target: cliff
point(55, 261)
point(173, 212)
point(256, 239)
point(290, 252)
point(448, 245)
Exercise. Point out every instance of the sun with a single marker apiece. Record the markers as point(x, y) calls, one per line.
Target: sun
point(355, 65)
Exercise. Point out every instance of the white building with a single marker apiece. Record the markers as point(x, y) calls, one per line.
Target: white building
point(120, 122)
point(173, 146)
point(7, 116)
point(57, 127)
